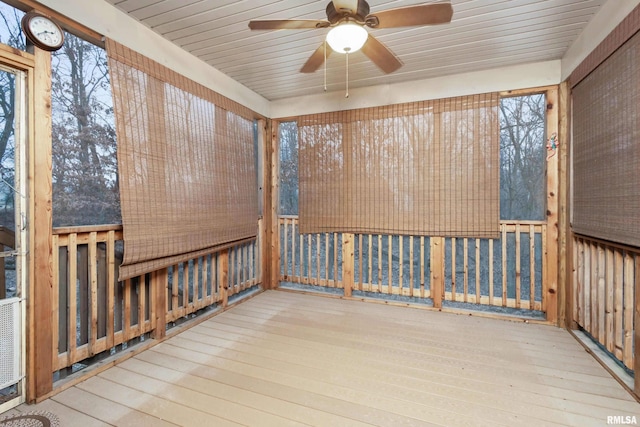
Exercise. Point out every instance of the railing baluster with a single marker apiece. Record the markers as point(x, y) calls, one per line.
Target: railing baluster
point(285, 257)
point(491, 272)
point(411, 261)
point(370, 263)
point(380, 263)
point(618, 320)
point(294, 270)
point(326, 259)
point(336, 247)
point(303, 276)
point(111, 283)
point(309, 275)
point(56, 320)
point(422, 265)
point(454, 268)
point(390, 266)
point(73, 301)
point(478, 291)
point(532, 267)
point(360, 279)
point(465, 258)
point(609, 281)
point(601, 301)
point(318, 280)
point(400, 265)
point(93, 292)
point(505, 255)
point(629, 306)
point(518, 271)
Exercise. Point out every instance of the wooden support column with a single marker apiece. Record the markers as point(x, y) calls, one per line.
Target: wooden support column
point(437, 270)
point(348, 262)
point(264, 188)
point(40, 293)
point(550, 279)
point(159, 289)
point(223, 276)
point(272, 192)
point(565, 247)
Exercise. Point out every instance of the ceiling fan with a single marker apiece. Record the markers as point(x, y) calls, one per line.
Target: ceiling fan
point(348, 19)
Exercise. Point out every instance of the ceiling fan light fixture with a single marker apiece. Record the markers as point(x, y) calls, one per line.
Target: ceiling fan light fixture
point(347, 38)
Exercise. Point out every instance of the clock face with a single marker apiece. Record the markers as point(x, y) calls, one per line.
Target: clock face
point(42, 31)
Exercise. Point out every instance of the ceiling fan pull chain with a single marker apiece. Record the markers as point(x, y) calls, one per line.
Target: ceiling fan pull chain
point(325, 65)
point(346, 95)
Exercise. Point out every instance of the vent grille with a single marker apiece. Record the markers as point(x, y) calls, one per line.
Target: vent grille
point(9, 342)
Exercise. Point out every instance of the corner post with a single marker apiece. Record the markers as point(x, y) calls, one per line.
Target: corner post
point(550, 280)
point(40, 293)
point(565, 243)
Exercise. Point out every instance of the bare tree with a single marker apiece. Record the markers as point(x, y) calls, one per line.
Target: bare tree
point(288, 168)
point(522, 157)
point(85, 183)
point(11, 35)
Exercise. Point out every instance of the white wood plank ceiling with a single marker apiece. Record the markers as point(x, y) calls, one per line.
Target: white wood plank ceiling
point(483, 34)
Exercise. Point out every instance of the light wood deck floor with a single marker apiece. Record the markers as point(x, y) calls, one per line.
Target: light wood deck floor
point(284, 358)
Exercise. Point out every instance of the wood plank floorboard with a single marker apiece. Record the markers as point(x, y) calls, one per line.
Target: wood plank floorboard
point(289, 359)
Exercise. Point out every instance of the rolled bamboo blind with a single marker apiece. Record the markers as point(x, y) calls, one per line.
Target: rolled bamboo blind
point(423, 168)
point(606, 148)
point(186, 165)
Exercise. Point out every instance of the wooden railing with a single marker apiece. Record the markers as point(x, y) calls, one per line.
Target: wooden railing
point(508, 272)
point(604, 281)
point(94, 313)
point(211, 279)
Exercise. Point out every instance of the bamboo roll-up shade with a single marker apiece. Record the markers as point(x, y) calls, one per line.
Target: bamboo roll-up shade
point(423, 168)
point(606, 148)
point(186, 166)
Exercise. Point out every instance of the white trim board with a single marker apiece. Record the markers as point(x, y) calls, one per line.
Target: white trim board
point(496, 80)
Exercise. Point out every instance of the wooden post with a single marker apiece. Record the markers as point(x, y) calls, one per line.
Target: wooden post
point(437, 270)
point(40, 347)
point(264, 186)
point(223, 276)
point(348, 262)
point(550, 280)
point(272, 167)
point(159, 289)
point(566, 300)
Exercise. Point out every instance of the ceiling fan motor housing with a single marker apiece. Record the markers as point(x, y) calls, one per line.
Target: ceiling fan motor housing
point(334, 16)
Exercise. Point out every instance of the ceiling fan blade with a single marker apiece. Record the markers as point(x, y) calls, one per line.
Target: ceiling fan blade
point(351, 5)
point(316, 59)
point(380, 55)
point(288, 24)
point(426, 14)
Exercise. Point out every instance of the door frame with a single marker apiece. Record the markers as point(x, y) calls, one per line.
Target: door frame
point(22, 64)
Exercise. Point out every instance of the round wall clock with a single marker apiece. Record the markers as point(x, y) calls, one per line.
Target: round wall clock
point(42, 31)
